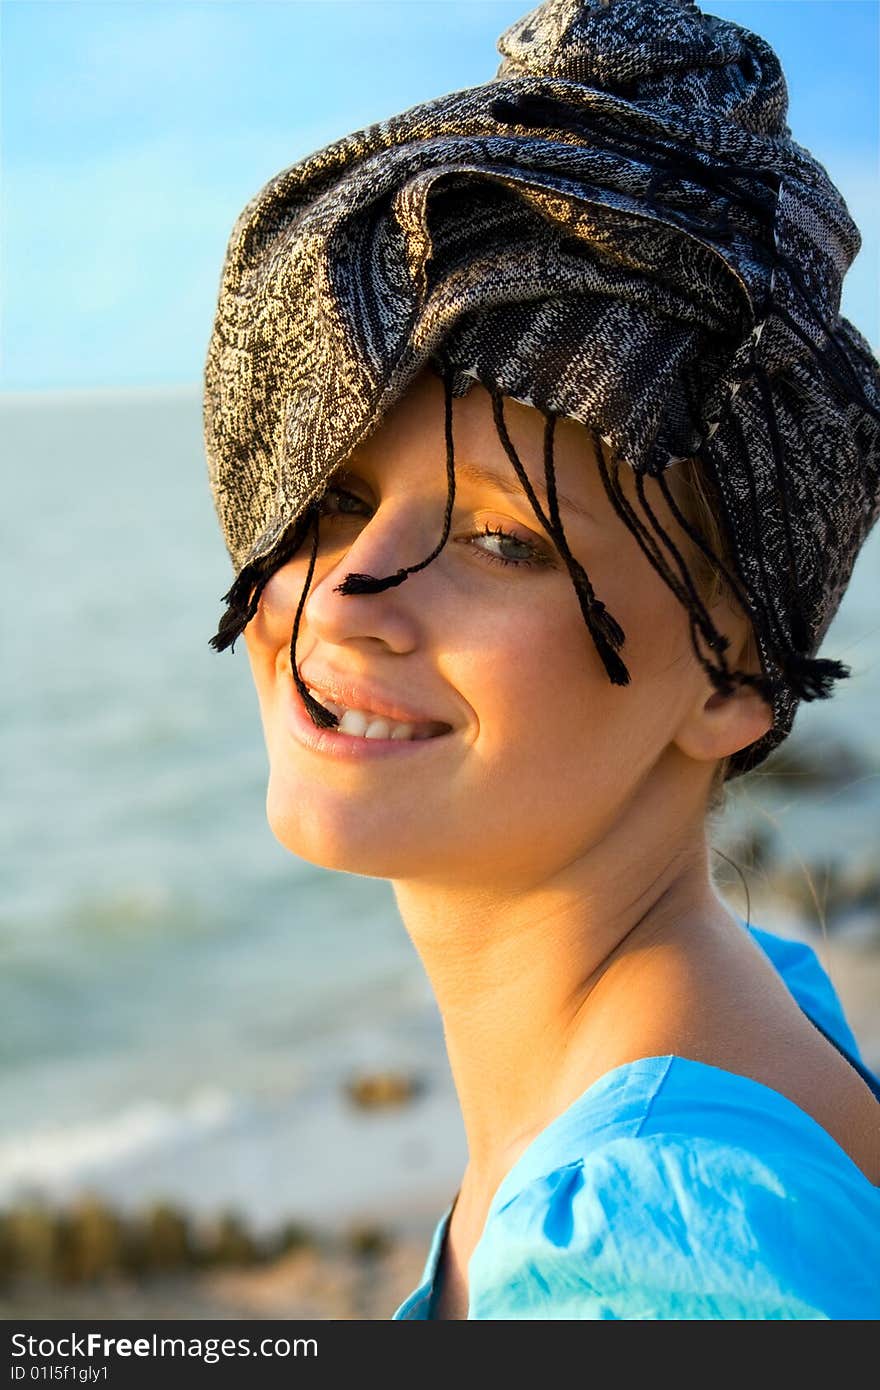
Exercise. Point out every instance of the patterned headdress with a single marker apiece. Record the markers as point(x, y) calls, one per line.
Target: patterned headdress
point(618, 228)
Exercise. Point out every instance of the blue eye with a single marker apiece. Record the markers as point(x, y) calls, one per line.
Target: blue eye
point(533, 556)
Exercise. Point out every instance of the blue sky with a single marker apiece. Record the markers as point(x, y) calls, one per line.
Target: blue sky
point(134, 131)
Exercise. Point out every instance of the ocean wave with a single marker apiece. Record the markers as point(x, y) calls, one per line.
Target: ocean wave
point(50, 1158)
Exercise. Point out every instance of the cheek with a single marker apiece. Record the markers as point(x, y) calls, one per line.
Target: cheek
point(267, 636)
point(550, 718)
point(262, 658)
point(272, 625)
point(544, 702)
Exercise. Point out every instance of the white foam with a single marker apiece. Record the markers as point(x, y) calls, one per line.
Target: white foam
point(53, 1157)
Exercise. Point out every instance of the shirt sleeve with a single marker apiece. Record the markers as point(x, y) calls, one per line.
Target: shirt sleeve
point(682, 1228)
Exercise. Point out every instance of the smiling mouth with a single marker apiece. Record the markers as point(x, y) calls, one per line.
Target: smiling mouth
point(356, 723)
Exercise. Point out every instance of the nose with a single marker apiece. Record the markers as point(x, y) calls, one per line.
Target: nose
point(393, 537)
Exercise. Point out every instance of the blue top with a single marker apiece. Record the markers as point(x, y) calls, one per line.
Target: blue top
point(675, 1189)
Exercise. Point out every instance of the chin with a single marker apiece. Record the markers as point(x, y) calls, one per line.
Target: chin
point(345, 838)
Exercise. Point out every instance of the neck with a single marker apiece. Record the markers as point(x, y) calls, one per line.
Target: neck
point(538, 987)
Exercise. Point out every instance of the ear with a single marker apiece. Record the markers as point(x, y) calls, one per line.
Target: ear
point(717, 725)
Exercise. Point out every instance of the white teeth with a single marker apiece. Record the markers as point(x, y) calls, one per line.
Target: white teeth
point(360, 724)
point(378, 728)
point(353, 722)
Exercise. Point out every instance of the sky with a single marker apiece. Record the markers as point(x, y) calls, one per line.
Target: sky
point(134, 131)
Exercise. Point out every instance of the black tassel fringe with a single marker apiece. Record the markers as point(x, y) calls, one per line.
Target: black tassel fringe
point(809, 678)
point(812, 678)
point(606, 632)
point(323, 718)
point(368, 583)
point(243, 597)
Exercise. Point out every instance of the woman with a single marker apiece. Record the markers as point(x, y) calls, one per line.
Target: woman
point(655, 1126)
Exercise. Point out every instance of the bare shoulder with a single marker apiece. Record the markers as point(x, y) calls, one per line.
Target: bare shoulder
point(812, 1073)
point(726, 1005)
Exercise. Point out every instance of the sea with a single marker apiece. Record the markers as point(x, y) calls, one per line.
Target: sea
point(182, 1001)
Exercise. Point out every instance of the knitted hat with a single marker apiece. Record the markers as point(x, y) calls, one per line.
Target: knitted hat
point(617, 228)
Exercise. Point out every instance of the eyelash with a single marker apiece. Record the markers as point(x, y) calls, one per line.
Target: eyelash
point(536, 557)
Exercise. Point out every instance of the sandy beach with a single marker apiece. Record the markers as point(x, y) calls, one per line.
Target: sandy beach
point(328, 1282)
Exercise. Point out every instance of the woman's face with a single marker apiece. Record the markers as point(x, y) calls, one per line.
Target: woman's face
point(543, 753)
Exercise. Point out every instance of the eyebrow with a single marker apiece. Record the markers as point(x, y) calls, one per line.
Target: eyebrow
point(504, 482)
point(507, 482)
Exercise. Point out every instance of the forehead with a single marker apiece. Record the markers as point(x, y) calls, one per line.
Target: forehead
point(414, 432)
point(412, 435)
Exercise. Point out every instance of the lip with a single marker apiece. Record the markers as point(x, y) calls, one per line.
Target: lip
point(331, 742)
point(367, 697)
